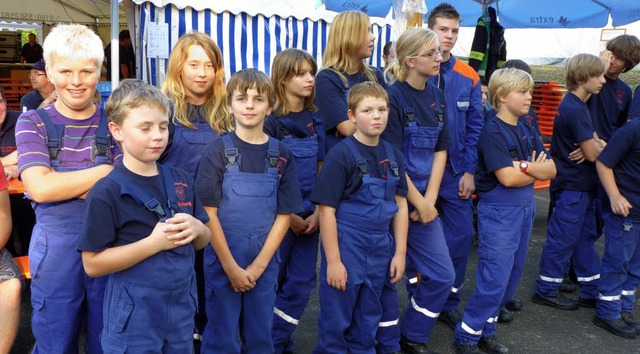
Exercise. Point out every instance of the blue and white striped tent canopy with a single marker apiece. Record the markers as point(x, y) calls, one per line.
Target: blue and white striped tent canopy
point(249, 32)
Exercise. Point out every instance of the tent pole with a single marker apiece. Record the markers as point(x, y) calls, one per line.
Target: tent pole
point(114, 61)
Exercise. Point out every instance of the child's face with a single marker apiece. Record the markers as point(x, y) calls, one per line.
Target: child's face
point(249, 108)
point(142, 135)
point(485, 94)
point(370, 116)
point(366, 48)
point(594, 84)
point(517, 102)
point(197, 75)
point(75, 83)
point(616, 66)
point(301, 85)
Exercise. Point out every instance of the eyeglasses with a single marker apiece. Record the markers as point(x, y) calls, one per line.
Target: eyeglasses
point(432, 53)
point(32, 75)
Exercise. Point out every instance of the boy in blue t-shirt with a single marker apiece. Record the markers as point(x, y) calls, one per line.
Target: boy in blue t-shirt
point(141, 226)
point(247, 183)
point(511, 158)
point(571, 231)
point(618, 168)
point(360, 189)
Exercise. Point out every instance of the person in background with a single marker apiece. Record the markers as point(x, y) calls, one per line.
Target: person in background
point(63, 150)
point(388, 54)
point(199, 114)
point(31, 51)
point(125, 61)
point(295, 122)
point(10, 277)
point(21, 211)
point(463, 99)
point(43, 91)
point(349, 43)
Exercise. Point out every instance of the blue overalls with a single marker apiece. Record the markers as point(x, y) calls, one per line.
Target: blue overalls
point(248, 314)
point(185, 151)
point(149, 307)
point(63, 296)
point(298, 253)
point(349, 319)
point(505, 219)
point(427, 251)
point(620, 266)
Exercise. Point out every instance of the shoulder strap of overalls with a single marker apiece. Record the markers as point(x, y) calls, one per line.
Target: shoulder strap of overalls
point(230, 152)
point(393, 162)
point(529, 135)
point(408, 112)
point(273, 156)
point(55, 133)
point(150, 202)
point(437, 98)
point(289, 128)
point(513, 149)
point(361, 163)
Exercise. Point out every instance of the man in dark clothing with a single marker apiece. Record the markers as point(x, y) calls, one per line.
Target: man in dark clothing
point(125, 58)
point(32, 51)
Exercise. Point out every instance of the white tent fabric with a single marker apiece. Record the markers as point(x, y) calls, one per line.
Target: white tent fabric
point(246, 39)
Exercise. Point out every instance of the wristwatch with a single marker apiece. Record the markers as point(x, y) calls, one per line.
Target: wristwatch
point(523, 166)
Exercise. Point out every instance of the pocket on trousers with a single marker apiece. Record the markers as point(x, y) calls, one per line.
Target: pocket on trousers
point(123, 308)
point(112, 347)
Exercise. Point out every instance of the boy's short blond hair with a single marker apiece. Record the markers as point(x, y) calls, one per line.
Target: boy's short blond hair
point(363, 90)
point(72, 42)
point(580, 68)
point(247, 79)
point(504, 81)
point(132, 94)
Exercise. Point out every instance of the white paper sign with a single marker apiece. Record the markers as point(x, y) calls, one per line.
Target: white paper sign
point(158, 40)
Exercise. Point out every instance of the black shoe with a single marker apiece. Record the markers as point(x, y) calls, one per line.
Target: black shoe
point(558, 301)
point(505, 316)
point(591, 303)
point(628, 318)
point(410, 347)
point(450, 318)
point(567, 285)
point(466, 348)
point(618, 327)
point(491, 345)
point(514, 305)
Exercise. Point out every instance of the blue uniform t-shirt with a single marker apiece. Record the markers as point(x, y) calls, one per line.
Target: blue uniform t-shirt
point(610, 107)
point(530, 118)
point(340, 179)
point(424, 105)
point(494, 153)
point(622, 154)
point(331, 95)
point(252, 159)
point(572, 124)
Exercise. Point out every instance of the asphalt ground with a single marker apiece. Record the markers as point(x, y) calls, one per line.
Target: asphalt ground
point(535, 329)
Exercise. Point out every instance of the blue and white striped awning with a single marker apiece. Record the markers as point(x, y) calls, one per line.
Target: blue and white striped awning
point(246, 39)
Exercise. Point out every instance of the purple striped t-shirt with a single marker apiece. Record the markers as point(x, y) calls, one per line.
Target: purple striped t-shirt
point(75, 146)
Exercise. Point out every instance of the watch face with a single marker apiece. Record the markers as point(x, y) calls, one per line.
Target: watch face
point(523, 164)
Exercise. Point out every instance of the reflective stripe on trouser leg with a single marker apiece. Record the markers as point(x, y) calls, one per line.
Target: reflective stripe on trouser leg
point(388, 334)
point(620, 264)
point(428, 252)
point(572, 211)
point(503, 230)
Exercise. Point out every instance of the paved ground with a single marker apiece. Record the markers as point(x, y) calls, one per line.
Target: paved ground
point(536, 329)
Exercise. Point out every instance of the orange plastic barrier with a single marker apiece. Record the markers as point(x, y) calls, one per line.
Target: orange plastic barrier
point(16, 186)
point(23, 264)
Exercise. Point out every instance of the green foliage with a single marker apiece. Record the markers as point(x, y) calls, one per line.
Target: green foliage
point(24, 38)
point(556, 73)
